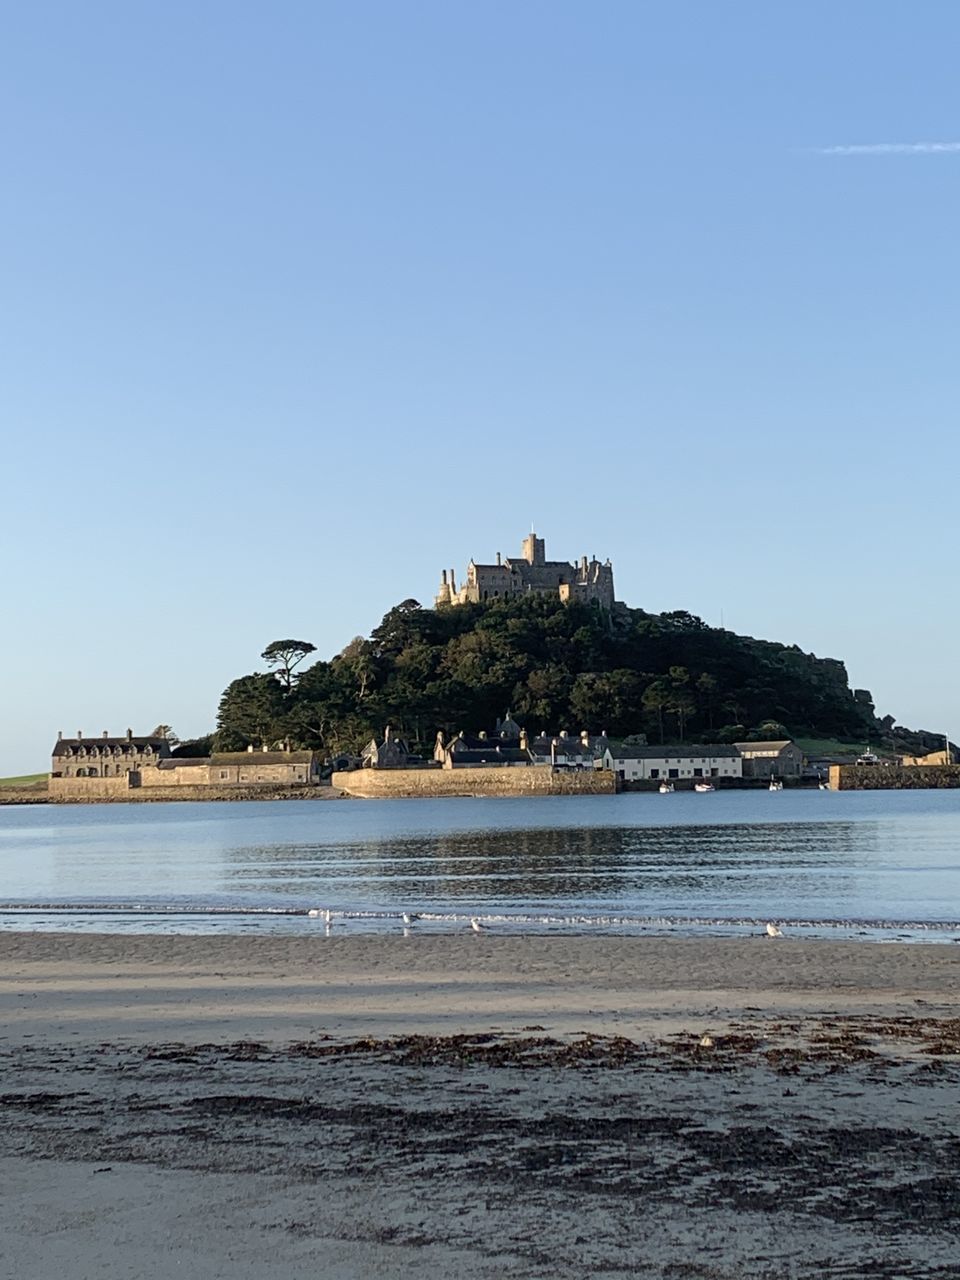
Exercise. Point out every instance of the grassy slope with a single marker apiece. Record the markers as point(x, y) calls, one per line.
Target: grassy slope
point(829, 747)
point(26, 780)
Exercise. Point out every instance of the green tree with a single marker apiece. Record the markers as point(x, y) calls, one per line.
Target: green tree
point(707, 691)
point(284, 656)
point(251, 713)
point(657, 697)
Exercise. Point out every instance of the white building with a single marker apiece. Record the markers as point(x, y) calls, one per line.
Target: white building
point(688, 760)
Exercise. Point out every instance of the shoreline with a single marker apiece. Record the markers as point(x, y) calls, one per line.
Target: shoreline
point(280, 987)
point(378, 1108)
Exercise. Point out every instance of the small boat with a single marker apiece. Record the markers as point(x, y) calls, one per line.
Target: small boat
point(775, 785)
point(704, 786)
point(666, 788)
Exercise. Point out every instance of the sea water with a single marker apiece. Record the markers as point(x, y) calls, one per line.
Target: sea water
point(878, 865)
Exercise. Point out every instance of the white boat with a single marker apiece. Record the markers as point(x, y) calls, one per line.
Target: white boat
point(666, 788)
point(704, 786)
point(775, 784)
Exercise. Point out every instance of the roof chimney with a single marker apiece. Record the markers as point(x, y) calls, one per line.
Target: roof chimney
point(129, 735)
point(498, 557)
point(59, 735)
point(105, 735)
point(79, 735)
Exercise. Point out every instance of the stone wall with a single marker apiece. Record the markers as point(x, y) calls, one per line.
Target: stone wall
point(873, 777)
point(72, 789)
point(87, 791)
point(216, 774)
point(531, 780)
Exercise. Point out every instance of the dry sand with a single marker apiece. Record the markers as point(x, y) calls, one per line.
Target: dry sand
point(477, 1106)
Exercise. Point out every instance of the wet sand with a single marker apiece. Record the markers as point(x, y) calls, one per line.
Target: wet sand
point(477, 1106)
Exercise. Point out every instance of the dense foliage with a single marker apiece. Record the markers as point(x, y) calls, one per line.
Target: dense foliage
point(555, 667)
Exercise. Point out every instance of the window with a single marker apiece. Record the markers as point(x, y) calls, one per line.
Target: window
point(654, 773)
point(698, 773)
point(224, 773)
point(673, 773)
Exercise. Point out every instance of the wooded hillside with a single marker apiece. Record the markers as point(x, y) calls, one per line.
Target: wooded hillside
point(554, 666)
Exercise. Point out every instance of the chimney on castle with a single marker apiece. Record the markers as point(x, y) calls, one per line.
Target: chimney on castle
point(443, 576)
point(59, 735)
point(105, 735)
point(498, 557)
point(79, 735)
point(129, 735)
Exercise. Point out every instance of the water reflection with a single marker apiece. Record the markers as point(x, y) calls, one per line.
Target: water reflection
point(734, 856)
point(653, 868)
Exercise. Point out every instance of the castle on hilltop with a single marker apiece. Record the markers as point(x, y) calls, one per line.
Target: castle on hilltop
point(589, 581)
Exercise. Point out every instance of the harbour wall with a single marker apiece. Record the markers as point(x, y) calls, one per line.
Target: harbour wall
point(116, 790)
point(530, 780)
point(875, 777)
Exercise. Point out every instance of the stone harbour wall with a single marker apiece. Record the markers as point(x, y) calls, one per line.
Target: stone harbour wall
point(72, 789)
point(874, 777)
point(91, 791)
point(532, 780)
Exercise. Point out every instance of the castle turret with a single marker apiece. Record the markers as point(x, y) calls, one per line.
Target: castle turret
point(444, 595)
point(534, 550)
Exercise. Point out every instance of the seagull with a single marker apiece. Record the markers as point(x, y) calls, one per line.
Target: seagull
point(476, 926)
point(706, 1042)
point(314, 911)
point(773, 931)
point(409, 918)
point(328, 917)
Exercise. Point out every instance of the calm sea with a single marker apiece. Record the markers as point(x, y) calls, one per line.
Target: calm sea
point(869, 864)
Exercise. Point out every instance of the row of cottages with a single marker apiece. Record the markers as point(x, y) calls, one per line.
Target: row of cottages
point(512, 745)
point(148, 762)
point(762, 760)
point(105, 757)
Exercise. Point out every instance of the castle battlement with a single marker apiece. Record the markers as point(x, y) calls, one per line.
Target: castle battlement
point(587, 581)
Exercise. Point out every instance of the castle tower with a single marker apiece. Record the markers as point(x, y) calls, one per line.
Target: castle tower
point(534, 549)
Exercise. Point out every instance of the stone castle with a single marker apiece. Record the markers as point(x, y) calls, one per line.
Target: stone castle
point(589, 581)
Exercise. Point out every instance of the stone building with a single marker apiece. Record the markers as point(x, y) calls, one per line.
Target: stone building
point(782, 759)
point(391, 753)
point(105, 757)
point(588, 581)
point(233, 769)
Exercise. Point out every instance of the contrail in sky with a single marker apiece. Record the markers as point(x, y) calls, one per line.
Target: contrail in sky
point(890, 149)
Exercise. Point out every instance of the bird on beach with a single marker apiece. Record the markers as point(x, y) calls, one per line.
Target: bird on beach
point(409, 918)
point(706, 1042)
point(315, 912)
point(773, 931)
point(476, 926)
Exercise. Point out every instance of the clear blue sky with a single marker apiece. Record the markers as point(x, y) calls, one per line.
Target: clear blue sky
point(305, 301)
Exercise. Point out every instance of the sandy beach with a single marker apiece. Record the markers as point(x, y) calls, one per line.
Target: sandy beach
point(477, 1106)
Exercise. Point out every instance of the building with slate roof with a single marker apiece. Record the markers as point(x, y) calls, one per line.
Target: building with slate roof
point(105, 757)
point(781, 759)
point(588, 581)
point(686, 760)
